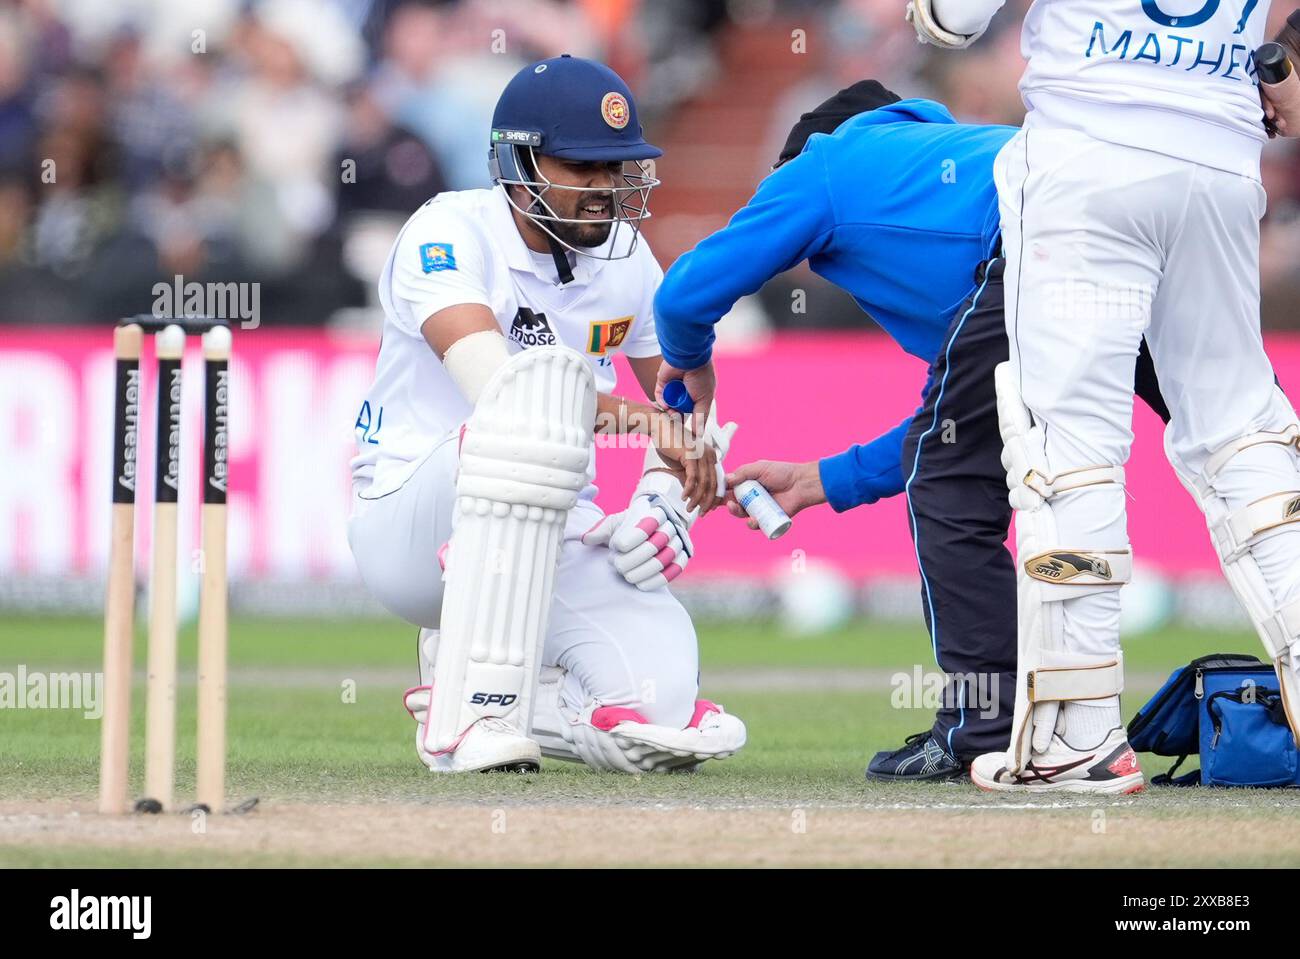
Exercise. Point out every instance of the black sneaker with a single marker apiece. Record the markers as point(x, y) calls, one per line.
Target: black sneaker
point(920, 757)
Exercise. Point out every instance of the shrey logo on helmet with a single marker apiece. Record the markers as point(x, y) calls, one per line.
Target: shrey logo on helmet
point(614, 109)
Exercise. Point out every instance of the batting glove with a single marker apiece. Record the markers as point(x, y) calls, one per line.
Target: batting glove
point(649, 542)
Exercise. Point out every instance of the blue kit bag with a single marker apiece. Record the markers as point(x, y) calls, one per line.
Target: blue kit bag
point(1226, 707)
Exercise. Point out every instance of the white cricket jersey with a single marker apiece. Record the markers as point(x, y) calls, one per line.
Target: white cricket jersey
point(464, 247)
point(1173, 76)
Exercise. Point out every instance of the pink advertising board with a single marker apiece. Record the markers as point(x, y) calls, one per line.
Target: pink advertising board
point(295, 399)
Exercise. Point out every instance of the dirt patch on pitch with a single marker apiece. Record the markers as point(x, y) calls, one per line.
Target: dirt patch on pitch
point(584, 836)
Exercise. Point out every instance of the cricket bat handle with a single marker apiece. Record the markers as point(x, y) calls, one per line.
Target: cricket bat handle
point(1281, 86)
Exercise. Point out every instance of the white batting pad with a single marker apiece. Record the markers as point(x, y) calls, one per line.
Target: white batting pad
point(524, 458)
point(1239, 535)
point(1047, 573)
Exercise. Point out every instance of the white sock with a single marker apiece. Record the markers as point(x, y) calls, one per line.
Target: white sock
point(1088, 723)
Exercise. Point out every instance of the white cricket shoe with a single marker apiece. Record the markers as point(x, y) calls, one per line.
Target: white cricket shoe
point(1109, 769)
point(489, 745)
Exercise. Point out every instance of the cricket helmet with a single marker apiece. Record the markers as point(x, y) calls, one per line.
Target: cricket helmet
point(579, 110)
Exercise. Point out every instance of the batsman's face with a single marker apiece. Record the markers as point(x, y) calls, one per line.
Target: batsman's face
point(589, 196)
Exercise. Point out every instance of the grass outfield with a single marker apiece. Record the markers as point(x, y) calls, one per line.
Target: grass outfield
point(318, 733)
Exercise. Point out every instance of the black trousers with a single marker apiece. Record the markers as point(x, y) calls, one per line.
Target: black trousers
point(959, 515)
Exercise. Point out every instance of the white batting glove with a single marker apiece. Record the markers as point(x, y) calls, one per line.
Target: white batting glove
point(928, 29)
point(649, 542)
point(719, 437)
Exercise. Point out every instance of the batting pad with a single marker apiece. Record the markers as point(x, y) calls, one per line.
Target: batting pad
point(523, 460)
point(1238, 534)
point(1048, 573)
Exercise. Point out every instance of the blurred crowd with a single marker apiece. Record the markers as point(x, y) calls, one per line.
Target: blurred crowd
point(283, 142)
point(274, 142)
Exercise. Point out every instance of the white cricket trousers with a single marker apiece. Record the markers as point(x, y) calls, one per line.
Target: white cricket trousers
point(1105, 244)
point(619, 646)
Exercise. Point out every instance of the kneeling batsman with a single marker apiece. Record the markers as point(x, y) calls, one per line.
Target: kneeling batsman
point(523, 461)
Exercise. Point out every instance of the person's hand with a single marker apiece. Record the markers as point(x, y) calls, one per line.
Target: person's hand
point(701, 383)
point(1273, 124)
point(794, 486)
point(1282, 116)
point(694, 461)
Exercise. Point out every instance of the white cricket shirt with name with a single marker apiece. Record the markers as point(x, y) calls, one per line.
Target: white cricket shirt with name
point(1173, 76)
point(464, 247)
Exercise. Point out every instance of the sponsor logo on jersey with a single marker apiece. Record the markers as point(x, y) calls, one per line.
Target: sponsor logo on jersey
point(436, 257)
point(532, 329)
point(606, 335)
point(615, 110)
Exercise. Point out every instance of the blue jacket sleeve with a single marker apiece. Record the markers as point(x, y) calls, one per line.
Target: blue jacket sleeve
point(789, 219)
point(867, 472)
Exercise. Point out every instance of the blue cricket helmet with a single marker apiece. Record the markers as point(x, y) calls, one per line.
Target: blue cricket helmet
point(573, 109)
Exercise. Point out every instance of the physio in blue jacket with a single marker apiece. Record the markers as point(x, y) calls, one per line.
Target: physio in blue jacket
point(893, 201)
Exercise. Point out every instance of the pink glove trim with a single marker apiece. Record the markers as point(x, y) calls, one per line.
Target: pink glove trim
point(607, 717)
point(702, 708)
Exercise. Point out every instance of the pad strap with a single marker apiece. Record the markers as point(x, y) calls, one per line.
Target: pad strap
point(1074, 682)
point(1239, 531)
point(1048, 486)
point(1287, 437)
point(1280, 631)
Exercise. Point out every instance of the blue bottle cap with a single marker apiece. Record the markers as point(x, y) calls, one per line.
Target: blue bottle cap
point(676, 398)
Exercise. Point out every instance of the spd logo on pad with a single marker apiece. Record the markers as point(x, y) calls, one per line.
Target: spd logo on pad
point(436, 257)
point(489, 699)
